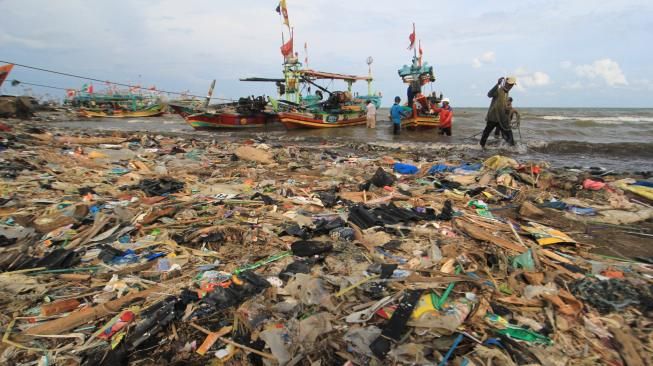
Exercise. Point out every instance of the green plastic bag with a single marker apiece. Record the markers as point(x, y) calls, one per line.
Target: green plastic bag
point(525, 261)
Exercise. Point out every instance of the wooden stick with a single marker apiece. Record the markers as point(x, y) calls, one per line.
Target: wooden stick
point(536, 259)
point(227, 340)
point(88, 314)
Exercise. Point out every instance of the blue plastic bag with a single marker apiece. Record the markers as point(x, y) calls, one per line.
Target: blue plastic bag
point(402, 168)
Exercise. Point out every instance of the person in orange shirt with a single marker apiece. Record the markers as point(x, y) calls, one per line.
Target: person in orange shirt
point(446, 117)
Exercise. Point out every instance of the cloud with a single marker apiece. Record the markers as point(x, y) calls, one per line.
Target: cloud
point(487, 58)
point(566, 64)
point(574, 86)
point(527, 79)
point(9, 39)
point(605, 69)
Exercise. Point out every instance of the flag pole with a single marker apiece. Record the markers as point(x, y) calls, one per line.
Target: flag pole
point(414, 48)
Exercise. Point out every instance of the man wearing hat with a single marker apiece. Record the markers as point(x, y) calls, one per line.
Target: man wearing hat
point(496, 114)
point(446, 117)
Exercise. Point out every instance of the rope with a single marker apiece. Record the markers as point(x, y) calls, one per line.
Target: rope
point(102, 81)
point(33, 84)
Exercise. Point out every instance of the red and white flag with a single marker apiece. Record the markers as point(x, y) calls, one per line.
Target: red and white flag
point(411, 38)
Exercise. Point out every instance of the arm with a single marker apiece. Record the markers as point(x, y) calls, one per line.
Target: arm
point(493, 92)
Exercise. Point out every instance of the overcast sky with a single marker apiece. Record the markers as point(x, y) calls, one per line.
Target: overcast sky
point(564, 53)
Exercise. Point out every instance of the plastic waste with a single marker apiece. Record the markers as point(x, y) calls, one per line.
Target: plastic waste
point(593, 185)
point(503, 327)
point(359, 339)
point(307, 248)
point(524, 260)
point(382, 178)
point(275, 338)
point(160, 186)
point(531, 291)
point(402, 168)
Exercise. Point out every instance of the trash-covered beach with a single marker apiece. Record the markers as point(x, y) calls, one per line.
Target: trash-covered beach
point(146, 249)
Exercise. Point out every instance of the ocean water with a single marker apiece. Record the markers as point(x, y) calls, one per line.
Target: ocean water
point(617, 139)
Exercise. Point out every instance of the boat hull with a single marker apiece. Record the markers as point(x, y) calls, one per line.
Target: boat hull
point(421, 122)
point(217, 121)
point(294, 120)
point(153, 111)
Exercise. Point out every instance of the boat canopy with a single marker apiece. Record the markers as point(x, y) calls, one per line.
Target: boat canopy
point(333, 76)
point(415, 71)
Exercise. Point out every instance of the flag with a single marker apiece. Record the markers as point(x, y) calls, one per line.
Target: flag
point(70, 93)
point(4, 72)
point(286, 49)
point(283, 10)
point(411, 38)
point(421, 53)
point(90, 89)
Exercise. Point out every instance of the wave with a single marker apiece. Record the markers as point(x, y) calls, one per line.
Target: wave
point(599, 120)
point(620, 149)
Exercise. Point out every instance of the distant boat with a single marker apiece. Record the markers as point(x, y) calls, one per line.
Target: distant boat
point(108, 112)
point(115, 105)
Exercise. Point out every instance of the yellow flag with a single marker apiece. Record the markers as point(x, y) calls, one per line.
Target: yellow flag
point(284, 12)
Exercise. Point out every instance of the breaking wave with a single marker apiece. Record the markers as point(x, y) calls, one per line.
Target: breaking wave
point(620, 149)
point(596, 120)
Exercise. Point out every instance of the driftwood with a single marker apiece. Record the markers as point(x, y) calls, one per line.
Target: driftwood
point(89, 314)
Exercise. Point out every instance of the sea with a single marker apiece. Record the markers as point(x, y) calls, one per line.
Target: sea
point(619, 140)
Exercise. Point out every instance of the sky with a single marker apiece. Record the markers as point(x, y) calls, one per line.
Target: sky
point(572, 53)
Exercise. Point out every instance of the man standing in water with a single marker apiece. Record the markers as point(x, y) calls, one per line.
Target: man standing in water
point(371, 114)
point(446, 117)
point(395, 115)
point(497, 115)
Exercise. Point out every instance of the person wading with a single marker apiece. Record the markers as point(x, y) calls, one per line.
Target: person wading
point(446, 117)
point(395, 115)
point(497, 115)
point(371, 115)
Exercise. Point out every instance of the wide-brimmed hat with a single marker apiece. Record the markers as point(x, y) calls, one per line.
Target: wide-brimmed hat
point(511, 80)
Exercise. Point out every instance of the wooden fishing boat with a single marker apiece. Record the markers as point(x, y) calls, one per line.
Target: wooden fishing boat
point(250, 112)
point(421, 107)
point(319, 120)
point(225, 120)
point(298, 107)
point(151, 111)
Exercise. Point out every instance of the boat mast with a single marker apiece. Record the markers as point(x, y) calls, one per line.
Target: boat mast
point(209, 95)
point(369, 74)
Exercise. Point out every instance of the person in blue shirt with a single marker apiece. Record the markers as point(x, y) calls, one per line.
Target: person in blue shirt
point(395, 115)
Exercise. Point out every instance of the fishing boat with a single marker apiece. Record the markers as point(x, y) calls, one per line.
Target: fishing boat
point(420, 107)
point(115, 111)
point(298, 107)
point(340, 109)
point(115, 105)
point(250, 112)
